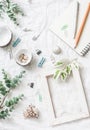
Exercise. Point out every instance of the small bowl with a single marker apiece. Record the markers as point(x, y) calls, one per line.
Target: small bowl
point(23, 57)
point(5, 36)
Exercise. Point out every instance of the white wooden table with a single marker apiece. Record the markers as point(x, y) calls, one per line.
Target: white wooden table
point(39, 14)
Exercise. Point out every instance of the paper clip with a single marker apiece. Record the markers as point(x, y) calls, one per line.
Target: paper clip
point(16, 42)
point(41, 62)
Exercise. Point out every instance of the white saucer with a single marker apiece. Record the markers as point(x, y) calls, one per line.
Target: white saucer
point(5, 36)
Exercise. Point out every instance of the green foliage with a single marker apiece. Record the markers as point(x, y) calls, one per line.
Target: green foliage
point(13, 101)
point(10, 106)
point(56, 74)
point(8, 84)
point(65, 71)
point(11, 9)
point(2, 88)
point(59, 63)
point(63, 75)
point(4, 114)
point(64, 27)
point(68, 69)
point(12, 83)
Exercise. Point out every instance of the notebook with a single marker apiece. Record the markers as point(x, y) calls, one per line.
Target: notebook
point(65, 26)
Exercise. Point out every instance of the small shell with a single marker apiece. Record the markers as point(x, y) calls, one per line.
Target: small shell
point(56, 50)
point(23, 58)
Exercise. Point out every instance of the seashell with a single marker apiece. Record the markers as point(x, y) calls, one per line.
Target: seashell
point(56, 50)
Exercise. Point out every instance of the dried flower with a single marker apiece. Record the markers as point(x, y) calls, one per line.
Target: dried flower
point(31, 112)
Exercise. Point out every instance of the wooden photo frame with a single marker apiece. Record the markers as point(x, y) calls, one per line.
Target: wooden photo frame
point(73, 105)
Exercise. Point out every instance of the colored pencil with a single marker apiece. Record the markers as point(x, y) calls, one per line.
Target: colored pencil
point(78, 35)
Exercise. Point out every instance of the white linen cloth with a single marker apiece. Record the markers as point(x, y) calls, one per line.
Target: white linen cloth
point(39, 13)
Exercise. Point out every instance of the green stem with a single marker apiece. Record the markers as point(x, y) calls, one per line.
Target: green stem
point(2, 102)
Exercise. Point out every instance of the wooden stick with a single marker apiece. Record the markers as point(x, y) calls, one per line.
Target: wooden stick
point(77, 38)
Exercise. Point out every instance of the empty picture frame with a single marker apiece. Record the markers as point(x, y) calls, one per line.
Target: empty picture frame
point(65, 100)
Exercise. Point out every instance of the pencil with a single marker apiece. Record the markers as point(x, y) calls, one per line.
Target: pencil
point(76, 19)
point(78, 35)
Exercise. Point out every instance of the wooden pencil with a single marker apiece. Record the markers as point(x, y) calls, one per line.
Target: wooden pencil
point(78, 35)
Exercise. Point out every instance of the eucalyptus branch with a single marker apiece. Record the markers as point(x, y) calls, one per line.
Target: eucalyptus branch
point(2, 102)
point(11, 9)
point(8, 84)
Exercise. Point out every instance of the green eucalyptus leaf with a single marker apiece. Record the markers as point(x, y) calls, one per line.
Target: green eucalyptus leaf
point(7, 103)
point(3, 93)
point(11, 9)
point(4, 114)
point(5, 88)
point(8, 1)
point(10, 103)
